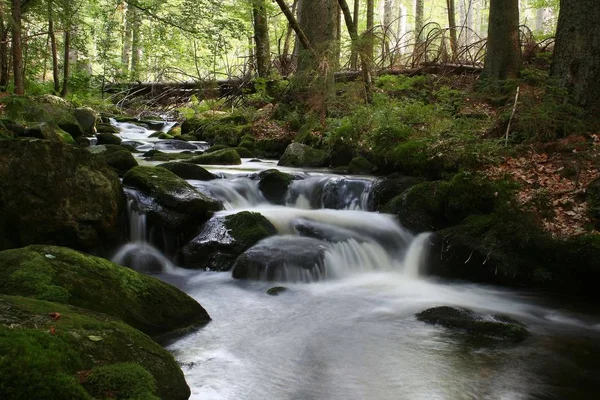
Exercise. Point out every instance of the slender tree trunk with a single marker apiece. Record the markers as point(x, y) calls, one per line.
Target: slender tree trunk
point(136, 44)
point(576, 63)
point(288, 35)
point(261, 38)
point(53, 48)
point(370, 34)
point(67, 63)
point(354, 53)
point(4, 68)
point(452, 24)
point(388, 9)
point(419, 20)
point(127, 38)
point(503, 57)
point(17, 48)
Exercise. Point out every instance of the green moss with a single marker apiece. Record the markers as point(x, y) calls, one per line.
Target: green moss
point(275, 291)
point(274, 185)
point(216, 147)
point(300, 155)
point(220, 157)
point(244, 152)
point(360, 165)
point(157, 155)
point(108, 138)
point(120, 161)
point(121, 381)
point(247, 228)
point(66, 276)
point(272, 147)
point(188, 171)
point(40, 356)
point(224, 131)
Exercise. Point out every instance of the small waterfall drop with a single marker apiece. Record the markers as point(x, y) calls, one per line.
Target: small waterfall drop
point(139, 254)
point(233, 193)
point(416, 256)
point(338, 193)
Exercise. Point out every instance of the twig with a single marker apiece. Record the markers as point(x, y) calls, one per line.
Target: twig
point(512, 115)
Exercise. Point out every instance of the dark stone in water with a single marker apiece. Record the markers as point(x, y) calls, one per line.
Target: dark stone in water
point(274, 185)
point(498, 327)
point(283, 258)
point(175, 145)
point(108, 138)
point(189, 171)
point(275, 291)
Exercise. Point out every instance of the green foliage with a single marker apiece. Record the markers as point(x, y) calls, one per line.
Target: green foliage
point(126, 381)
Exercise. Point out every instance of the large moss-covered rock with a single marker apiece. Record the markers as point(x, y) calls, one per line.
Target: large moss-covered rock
point(120, 161)
point(385, 189)
point(497, 327)
point(300, 155)
point(220, 157)
point(274, 185)
point(271, 148)
point(108, 138)
point(360, 165)
point(120, 381)
point(62, 275)
point(87, 119)
point(224, 131)
point(174, 204)
point(187, 170)
point(157, 155)
point(593, 201)
point(47, 131)
point(106, 128)
point(223, 239)
point(283, 258)
point(58, 194)
point(47, 350)
point(48, 109)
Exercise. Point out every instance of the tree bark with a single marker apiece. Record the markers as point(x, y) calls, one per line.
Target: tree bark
point(354, 53)
point(388, 10)
point(136, 45)
point(294, 23)
point(127, 38)
point(576, 63)
point(503, 57)
point(66, 63)
point(17, 48)
point(369, 49)
point(452, 25)
point(419, 20)
point(4, 68)
point(261, 38)
point(53, 48)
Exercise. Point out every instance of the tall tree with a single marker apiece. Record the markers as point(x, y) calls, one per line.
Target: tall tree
point(17, 48)
point(261, 37)
point(53, 47)
point(354, 53)
point(66, 62)
point(503, 57)
point(419, 20)
point(127, 37)
point(451, 8)
point(136, 44)
point(576, 62)
point(4, 56)
point(388, 9)
point(370, 34)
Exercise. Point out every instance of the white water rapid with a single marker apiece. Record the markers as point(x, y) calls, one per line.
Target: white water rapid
point(351, 333)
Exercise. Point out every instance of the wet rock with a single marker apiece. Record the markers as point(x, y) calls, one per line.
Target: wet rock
point(300, 155)
point(108, 138)
point(593, 200)
point(244, 152)
point(498, 327)
point(157, 155)
point(175, 145)
point(107, 128)
point(283, 258)
point(360, 165)
point(187, 170)
point(54, 342)
point(120, 161)
point(223, 239)
point(47, 131)
point(62, 275)
point(65, 196)
point(276, 291)
point(87, 119)
point(175, 204)
point(274, 185)
point(326, 232)
point(385, 189)
point(220, 157)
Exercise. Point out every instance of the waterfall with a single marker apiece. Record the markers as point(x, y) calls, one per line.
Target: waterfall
point(139, 254)
point(416, 256)
point(233, 193)
point(338, 193)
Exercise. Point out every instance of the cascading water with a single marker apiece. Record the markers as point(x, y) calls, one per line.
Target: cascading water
point(351, 334)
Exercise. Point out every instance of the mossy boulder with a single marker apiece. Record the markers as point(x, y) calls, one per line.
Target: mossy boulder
point(43, 109)
point(282, 258)
point(173, 204)
point(300, 155)
point(385, 189)
point(223, 239)
point(59, 194)
point(276, 290)
point(593, 201)
point(274, 185)
point(62, 275)
point(216, 131)
point(87, 119)
point(107, 128)
point(244, 152)
point(47, 350)
point(47, 131)
point(120, 161)
point(108, 138)
point(187, 170)
point(271, 148)
point(120, 381)
point(360, 165)
point(495, 327)
point(157, 155)
point(216, 147)
point(219, 157)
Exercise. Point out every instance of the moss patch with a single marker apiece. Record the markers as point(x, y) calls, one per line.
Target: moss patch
point(121, 381)
point(219, 157)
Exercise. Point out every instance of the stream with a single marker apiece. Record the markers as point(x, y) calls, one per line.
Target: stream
point(347, 329)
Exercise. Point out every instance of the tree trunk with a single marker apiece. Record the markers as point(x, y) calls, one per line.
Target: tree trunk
point(67, 63)
point(286, 59)
point(127, 38)
point(136, 45)
point(4, 68)
point(503, 57)
point(419, 20)
point(261, 38)
point(354, 53)
point(53, 49)
point(576, 62)
point(388, 17)
point(17, 47)
point(452, 25)
point(370, 34)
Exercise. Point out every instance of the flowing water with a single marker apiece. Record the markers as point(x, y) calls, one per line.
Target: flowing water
point(346, 329)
